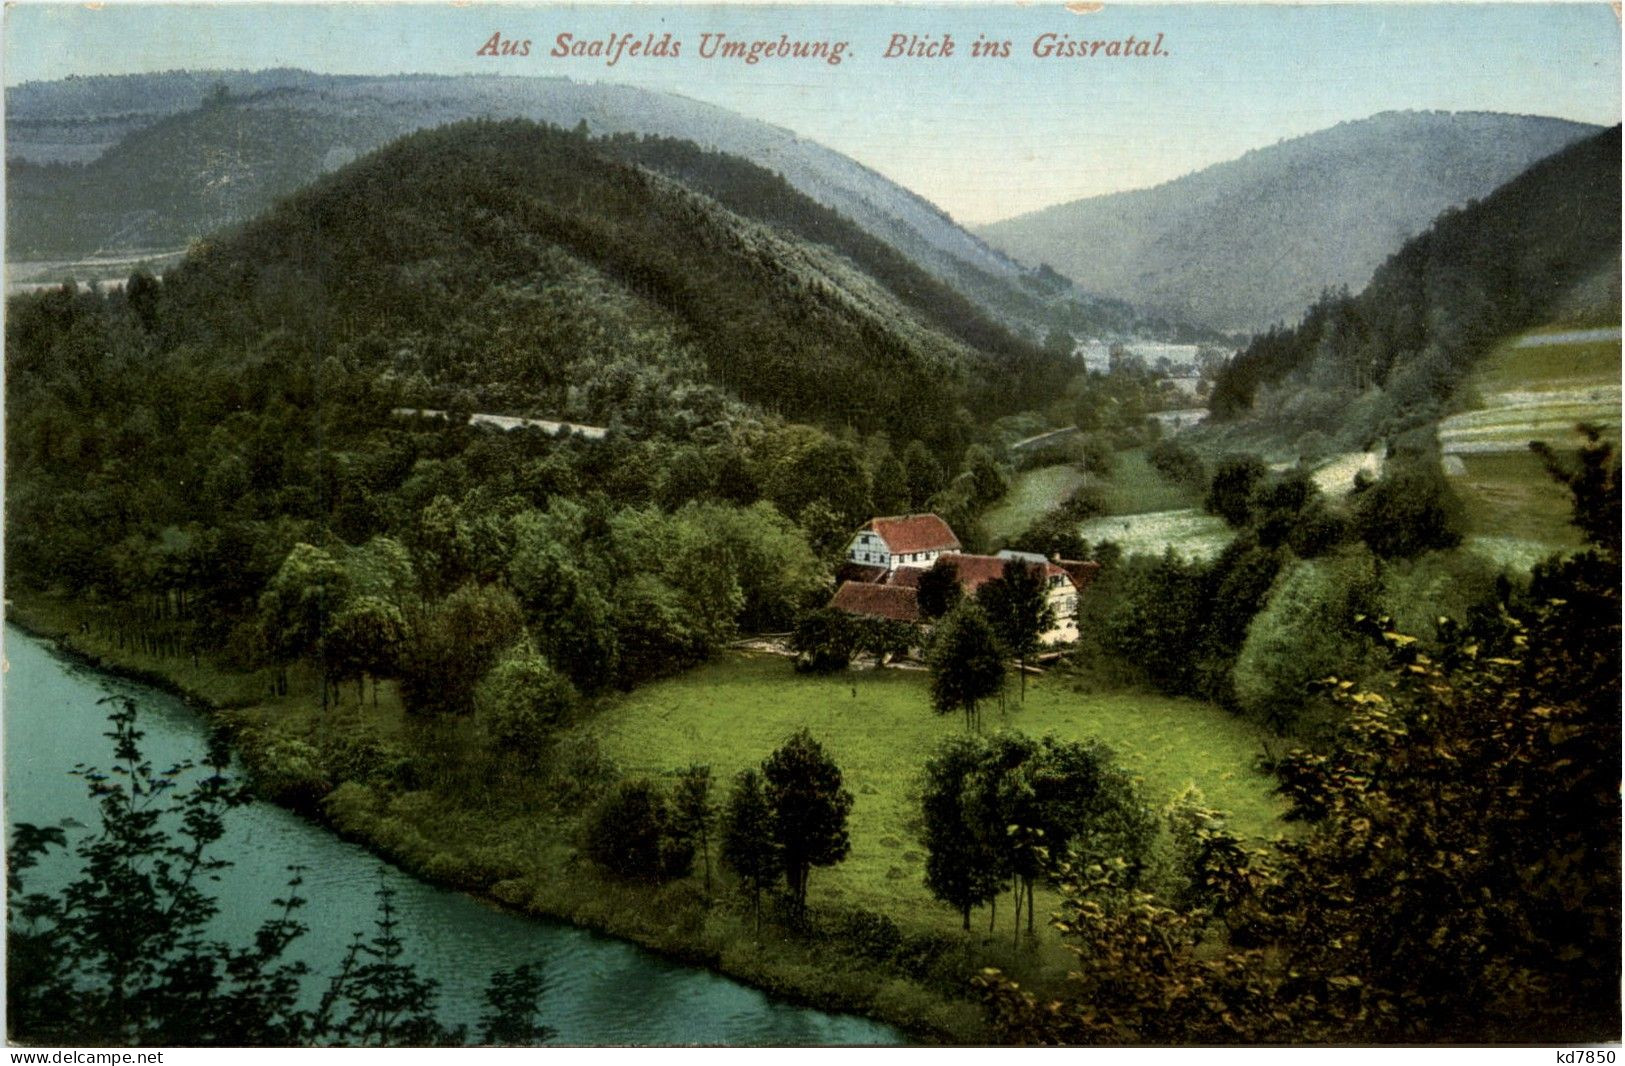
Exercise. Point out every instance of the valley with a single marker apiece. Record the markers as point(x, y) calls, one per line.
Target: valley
point(460, 459)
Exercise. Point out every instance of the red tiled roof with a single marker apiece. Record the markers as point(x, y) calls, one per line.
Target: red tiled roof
point(877, 601)
point(907, 577)
point(977, 570)
point(914, 533)
point(1081, 573)
point(869, 575)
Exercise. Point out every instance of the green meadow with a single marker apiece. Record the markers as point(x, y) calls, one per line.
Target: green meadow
point(1516, 395)
point(878, 726)
point(1032, 493)
point(1133, 488)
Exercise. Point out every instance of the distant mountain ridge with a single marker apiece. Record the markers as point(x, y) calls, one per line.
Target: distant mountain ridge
point(1542, 248)
point(1246, 244)
point(117, 126)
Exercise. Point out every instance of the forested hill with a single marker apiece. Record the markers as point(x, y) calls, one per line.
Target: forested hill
point(1544, 247)
point(756, 193)
point(520, 267)
point(144, 162)
point(205, 449)
point(1247, 244)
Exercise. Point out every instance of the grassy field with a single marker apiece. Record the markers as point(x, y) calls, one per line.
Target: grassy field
point(1031, 494)
point(475, 822)
point(1133, 488)
point(1526, 392)
point(1523, 393)
point(1510, 495)
point(879, 728)
point(1189, 532)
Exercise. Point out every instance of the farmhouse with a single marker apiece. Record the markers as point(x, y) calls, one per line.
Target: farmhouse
point(887, 557)
point(904, 540)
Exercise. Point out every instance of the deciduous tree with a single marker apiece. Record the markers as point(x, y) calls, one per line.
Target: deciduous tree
point(1018, 608)
point(966, 667)
point(749, 847)
point(810, 806)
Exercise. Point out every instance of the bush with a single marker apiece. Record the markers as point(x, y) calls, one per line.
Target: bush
point(1094, 454)
point(366, 760)
point(1411, 509)
point(1177, 463)
point(1087, 501)
point(286, 770)
point(886, 638)
point(1050, 535)
point(578, 772)
point(1306, 632)
point(1230, 494)
point(825, 641)
point(521, 701)
point(865, 933)
point(630, 833)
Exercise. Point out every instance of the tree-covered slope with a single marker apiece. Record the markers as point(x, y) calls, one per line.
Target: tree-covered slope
point(121, 163)
point(201, 450)
point(1543, 247)
point(526, 267)
point(1246, 244)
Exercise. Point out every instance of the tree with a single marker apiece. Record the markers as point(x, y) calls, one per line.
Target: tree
point(767, 554)
point(966, 667)
point(365, 637)
point(563, 601)
point(1177, 463)
point(630, 833)
point(1594, 481)
point(939, 589)
point(309, 588)
point(810, 806)
point(987, 478)
point(887, 638)
point(924, 474)
point(1306, 631)
point(748, 845)
point(824, 640)
point(1411, 509)
point(1151, 614)
point(1230, 493)
point(1018, 608)
point(522, 700)
point(451, 644)
point(1036, 802)
point(122, 955)
point(510, 1018)
point(693, 813)
point(962, 867)
point(1052, 534)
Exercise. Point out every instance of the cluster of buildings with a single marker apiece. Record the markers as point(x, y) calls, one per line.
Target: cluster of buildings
point(880, 576)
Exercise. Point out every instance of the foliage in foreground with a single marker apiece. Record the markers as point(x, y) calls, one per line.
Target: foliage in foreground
point(1460, 881)
point(126, 943)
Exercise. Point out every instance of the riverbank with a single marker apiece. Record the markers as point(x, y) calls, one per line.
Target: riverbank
point(419, 795)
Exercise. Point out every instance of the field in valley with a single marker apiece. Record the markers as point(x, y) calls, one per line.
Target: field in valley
point(1134, 488)
point(1031, 494)
point(1188, 531)
point(879, 728)
point(1534, 387)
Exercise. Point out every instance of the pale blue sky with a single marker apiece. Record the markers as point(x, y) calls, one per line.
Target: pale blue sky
point(982, 138)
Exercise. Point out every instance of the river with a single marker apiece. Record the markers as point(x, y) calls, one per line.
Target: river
point(600, 990)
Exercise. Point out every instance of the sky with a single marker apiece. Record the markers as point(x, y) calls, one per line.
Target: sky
point(984, 137)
